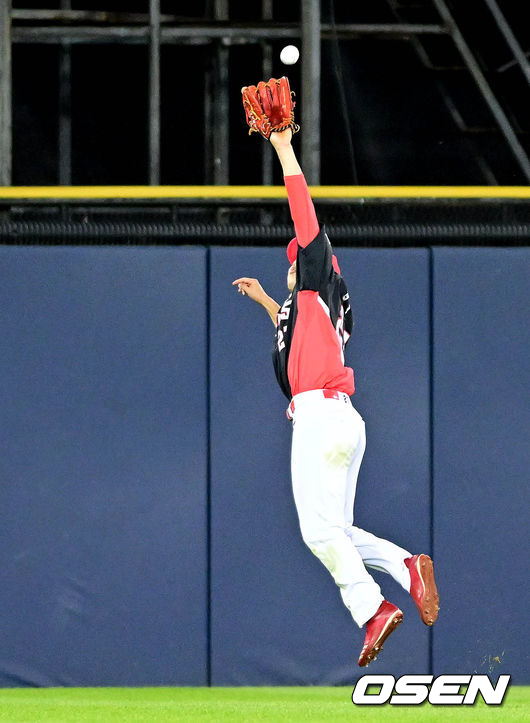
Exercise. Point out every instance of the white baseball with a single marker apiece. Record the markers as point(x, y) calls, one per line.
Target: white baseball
point(289, 55)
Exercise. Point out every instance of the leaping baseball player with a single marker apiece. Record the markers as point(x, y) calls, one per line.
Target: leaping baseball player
point(313, 325)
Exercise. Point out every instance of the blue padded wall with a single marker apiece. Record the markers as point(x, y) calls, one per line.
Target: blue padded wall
point(277, 617)
point(106, 396)
point(481, 460)
point(103, 471)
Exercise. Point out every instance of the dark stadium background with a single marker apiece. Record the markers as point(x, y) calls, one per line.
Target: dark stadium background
point(409, 123)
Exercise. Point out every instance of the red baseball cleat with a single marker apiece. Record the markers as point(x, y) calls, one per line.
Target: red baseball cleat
point(423, 588)
point(378, 628)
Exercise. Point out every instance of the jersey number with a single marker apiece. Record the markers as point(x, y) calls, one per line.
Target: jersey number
point(283, 315)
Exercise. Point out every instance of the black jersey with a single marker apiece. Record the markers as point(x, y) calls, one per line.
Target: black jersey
point(313, 325)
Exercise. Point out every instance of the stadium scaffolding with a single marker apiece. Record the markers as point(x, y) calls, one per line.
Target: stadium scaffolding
point(65, 27)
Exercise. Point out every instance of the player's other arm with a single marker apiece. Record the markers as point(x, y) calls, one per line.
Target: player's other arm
point(300, 202)
point(254, 290)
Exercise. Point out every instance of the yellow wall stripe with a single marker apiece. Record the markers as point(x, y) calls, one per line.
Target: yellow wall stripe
point(257, 192)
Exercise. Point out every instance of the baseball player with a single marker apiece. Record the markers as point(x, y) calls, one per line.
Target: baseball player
point(313, 326)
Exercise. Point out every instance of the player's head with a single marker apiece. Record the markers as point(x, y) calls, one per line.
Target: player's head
point(292, 255)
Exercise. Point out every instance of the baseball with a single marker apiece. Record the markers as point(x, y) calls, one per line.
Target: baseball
point(289, 55)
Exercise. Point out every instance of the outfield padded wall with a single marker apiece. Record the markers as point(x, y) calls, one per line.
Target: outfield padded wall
point(122, 367)
point(103, 468)
point(277, 616)
point(482, 460)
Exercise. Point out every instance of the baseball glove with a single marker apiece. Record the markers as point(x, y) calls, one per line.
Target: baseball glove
point(269, 107)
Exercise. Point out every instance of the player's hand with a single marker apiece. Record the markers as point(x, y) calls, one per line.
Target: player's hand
point(251, 288)
point(281, 138)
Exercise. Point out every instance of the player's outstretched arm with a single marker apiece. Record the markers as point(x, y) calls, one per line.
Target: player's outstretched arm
point(302, 208)
point(284, 150)
point(254, 290)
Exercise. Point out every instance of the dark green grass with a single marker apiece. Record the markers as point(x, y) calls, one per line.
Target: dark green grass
point(132, 705)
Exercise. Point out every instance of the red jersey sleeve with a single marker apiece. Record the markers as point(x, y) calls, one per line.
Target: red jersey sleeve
point(302, 209)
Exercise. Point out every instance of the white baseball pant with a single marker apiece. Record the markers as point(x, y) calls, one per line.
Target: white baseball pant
point(328, 445)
